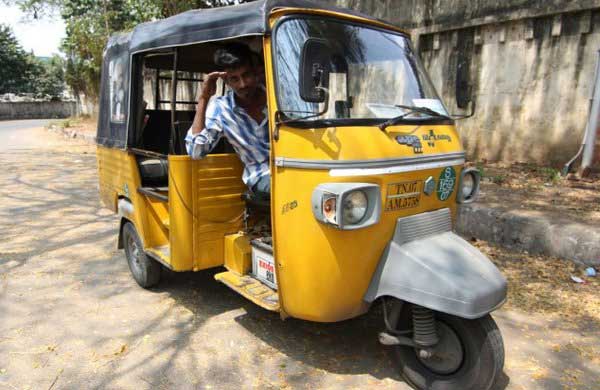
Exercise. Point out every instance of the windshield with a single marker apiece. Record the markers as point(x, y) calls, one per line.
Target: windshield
point(371, 72)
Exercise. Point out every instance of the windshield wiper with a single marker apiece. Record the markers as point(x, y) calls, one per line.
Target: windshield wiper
point(411, 109)
point(282, 119)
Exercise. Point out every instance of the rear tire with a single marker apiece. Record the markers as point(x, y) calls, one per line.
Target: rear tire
point(480, 348)
point(144, 269)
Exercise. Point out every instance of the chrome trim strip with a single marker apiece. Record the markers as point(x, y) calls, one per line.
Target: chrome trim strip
point(396, 169)
point(285, 162)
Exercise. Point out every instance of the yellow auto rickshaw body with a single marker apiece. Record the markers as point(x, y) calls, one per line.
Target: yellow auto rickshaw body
point(366, 170)
point(323, 272)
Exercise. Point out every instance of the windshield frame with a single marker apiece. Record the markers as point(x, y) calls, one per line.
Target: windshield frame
point(346, 122)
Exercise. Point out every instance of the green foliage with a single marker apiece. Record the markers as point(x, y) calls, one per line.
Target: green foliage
point(51, 80)
point(550, 175)
point(89, 23)
point(17, 67)
point(480, 167)
point(21, 72)
point(498, 179)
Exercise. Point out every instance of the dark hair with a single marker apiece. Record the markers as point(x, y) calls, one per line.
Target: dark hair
point(233, 55)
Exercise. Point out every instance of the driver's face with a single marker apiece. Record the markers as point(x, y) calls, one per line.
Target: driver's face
point(243, 81)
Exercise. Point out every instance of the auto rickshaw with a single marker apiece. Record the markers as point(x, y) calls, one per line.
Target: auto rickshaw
point(367, 172)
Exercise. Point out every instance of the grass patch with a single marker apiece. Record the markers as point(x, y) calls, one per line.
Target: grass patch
point(61, 123)
point(550, 175)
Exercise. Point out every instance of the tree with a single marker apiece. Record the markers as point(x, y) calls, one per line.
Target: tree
point(21, 72)
point(18, 69)
point(51, 80)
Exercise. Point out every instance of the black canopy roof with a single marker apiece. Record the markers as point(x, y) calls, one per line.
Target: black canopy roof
point(217, 23)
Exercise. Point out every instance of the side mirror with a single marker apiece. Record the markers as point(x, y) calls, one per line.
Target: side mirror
point(465, 116)
point(315, 66)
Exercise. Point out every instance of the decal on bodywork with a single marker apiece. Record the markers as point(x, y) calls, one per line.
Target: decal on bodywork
point(412, 141)
point(289, 206)
point(446, 183)
point(432, 137)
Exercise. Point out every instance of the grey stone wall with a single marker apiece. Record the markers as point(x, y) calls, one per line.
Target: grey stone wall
point(527, 64)
point(36, 110)
point(531, 81)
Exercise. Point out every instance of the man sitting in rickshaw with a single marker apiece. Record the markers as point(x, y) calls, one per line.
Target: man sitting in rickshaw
point(240, 115)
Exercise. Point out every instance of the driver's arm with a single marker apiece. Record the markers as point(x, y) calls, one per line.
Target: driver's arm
point(199, 144)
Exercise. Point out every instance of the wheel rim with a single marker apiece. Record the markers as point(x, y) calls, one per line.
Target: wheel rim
point(134, 253)
point(448, 354)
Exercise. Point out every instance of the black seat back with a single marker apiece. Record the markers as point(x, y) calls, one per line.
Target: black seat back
point(154, 172)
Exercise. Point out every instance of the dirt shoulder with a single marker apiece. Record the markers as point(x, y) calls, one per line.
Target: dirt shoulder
point(83, 125)
point(535, 190)
point(549, 323)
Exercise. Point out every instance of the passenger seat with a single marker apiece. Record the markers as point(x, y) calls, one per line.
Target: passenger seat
point(154, 171)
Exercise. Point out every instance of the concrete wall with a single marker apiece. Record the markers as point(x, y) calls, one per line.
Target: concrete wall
point(531, 81)
point(86, 106)
point(528, 65)
point(36, 110)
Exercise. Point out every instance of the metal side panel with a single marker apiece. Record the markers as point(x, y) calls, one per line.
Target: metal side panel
point(442, 272)
point(217, 189)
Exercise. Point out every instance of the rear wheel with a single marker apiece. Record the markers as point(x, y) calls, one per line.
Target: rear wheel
point(144, 269)
point(468, 356)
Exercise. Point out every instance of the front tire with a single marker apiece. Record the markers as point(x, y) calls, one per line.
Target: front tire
point(144, 270)
point(469, 355)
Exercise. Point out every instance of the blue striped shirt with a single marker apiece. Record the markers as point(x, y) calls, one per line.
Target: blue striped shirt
point(249, 138)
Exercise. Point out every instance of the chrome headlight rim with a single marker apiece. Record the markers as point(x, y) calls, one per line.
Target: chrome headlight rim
point(476, 177)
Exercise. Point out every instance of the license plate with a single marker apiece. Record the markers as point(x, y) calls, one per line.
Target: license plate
point(265, 270)
point(403, 195)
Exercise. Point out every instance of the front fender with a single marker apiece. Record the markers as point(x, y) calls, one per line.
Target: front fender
point(439, 271)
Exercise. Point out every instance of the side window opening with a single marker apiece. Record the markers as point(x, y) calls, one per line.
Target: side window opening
point(158, 128)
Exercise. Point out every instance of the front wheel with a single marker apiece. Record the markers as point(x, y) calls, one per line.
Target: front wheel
point(145, 271)
point(468, 356)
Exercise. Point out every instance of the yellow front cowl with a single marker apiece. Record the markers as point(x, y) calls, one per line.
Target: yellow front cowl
point(324, 272)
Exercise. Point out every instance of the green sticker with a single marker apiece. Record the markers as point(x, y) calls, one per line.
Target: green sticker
point(446, 183)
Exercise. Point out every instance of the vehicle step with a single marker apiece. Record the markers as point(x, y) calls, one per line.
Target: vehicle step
point(251, 288)
point(161, 253)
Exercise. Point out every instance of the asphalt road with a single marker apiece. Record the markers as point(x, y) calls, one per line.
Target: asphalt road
point(12, 133)
point(71, 317)
point(22, 124)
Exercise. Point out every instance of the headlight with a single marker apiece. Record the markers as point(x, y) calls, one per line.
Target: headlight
point(347, 205)
point(355, 207)
point(469, 185)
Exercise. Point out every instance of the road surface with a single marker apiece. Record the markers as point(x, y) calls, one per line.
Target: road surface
point(12, 133)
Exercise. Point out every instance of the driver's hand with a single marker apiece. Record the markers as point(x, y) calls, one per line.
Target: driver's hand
point(209, 86)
